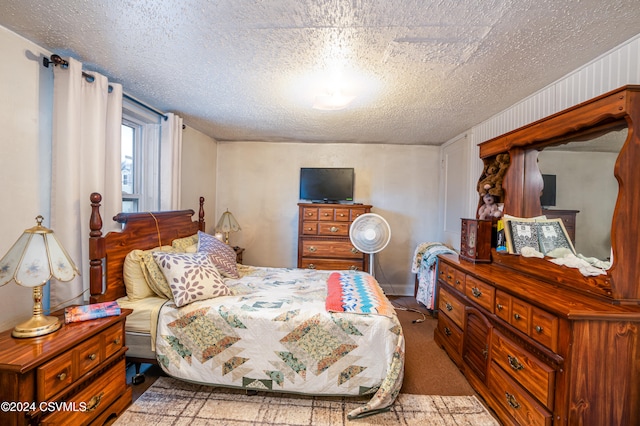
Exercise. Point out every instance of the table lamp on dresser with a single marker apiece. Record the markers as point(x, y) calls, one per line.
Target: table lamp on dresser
point(226, 224)
point(33, 260)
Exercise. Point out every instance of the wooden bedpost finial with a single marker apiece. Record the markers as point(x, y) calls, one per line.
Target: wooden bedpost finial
point(95, 221)
point(201, 223)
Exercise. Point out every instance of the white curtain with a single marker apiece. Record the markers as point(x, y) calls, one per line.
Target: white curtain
point(87, 119)
point(170, 162)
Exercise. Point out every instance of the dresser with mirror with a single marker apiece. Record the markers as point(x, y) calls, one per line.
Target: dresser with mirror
point(546, 344)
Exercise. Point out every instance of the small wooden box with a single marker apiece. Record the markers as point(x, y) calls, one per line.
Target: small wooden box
point(475, 243)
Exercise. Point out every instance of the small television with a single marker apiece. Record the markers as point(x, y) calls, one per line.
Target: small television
point(548, 197)
point(326, 184)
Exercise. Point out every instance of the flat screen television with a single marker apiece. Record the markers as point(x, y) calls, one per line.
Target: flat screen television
point(326, 184)
point(548, 197)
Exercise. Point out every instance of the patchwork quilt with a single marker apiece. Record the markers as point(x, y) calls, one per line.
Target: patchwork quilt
point(275, 333)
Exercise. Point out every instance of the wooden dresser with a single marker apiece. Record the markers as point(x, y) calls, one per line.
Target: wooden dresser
point(74, 376)
point(323, 237)
point(538, 355)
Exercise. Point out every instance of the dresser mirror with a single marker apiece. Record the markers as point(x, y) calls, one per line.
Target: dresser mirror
point(583, 171)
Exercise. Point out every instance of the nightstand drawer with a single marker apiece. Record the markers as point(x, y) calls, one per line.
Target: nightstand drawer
point(54, 376)
point(96, 397)
point(112, 340)
point(89, 355)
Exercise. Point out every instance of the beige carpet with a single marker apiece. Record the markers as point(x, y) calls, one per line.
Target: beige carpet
point(172, 402)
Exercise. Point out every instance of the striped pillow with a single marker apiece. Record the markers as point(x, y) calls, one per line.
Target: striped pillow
point(223, 256)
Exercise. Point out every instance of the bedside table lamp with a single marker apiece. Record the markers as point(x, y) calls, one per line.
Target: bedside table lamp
point(226, 224)
point(35, 258)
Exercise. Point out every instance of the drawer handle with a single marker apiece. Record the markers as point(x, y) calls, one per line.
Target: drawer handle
point(353, 268)
point(511, 400)
point(449, 277)
point(449, 307)
point(326, 214)
point(517, 316)
point(514, 363)
point(62, 376)
point(309, 214)
point(309, 229)
point(499, 306)
point(94, 402)
point(341, 214)
point(311, 266)
point(441, 272)
point(116, 341)
point(457, 282)
point(313, 249)
point(354, 250)
point(447, 331)
point(476, 292)
point(334, 229)
point(92, 357)
point(539, 328)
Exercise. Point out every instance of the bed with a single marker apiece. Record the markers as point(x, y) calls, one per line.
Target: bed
point(258, 328)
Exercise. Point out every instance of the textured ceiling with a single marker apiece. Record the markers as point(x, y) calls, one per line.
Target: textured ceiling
point(421, 71)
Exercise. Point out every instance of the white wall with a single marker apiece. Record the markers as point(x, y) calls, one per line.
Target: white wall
point(259, 183)
point(199, 155)
point(25, 144)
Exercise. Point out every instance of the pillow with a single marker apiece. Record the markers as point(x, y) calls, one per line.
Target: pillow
point(134, 279)
point(181, 244)
point(191, 276)
point(153, 274)
point(223, 256)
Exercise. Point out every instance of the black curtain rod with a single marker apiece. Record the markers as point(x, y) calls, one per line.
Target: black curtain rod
point(57, 60)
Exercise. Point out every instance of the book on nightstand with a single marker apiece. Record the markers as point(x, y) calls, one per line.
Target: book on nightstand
point(89, 312)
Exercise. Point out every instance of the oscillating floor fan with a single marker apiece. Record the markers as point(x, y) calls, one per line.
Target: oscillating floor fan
point(370, 233)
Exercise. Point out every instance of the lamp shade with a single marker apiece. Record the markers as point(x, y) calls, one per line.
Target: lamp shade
point(227, 223)
point(35, 258)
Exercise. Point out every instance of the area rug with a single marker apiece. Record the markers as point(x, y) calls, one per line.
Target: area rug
point(173, 402)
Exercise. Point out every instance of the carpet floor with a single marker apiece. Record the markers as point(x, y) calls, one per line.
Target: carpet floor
point(173, 402)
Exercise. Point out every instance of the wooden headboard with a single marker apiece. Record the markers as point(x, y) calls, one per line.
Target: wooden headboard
point(139, 231)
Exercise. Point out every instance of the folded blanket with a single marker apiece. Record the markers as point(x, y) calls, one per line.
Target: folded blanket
point(426, 254)
point(356, 292)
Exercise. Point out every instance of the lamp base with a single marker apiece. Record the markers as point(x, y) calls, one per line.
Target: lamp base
point(37, 325)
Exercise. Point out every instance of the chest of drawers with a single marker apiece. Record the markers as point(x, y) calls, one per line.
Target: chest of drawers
point(323, 237)
point(75, 375)
point(537, 353)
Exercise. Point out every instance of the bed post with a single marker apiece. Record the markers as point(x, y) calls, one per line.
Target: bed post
point(201, 224)
point(96, 246)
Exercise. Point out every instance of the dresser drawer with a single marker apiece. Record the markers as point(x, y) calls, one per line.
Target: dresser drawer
point(112, 340)
point(339, 249)
point(333, 229)
point(503, 305)
point(532, 374)
point(331, 264)
point(96, 397)
point(326, 214)
point(544, 328)
point(520, 315)
point(480, 292)
point(452, 335)
point(55, 376)
point(515, 400)
point(309, 228)
point(341, 215)
point(309, 213)
point(355, 213)
point(452, 307)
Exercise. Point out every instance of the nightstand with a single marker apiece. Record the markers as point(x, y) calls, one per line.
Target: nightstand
point(239, 251)
point(76, 375)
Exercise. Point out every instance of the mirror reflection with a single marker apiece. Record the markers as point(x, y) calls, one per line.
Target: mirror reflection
point(585, 189)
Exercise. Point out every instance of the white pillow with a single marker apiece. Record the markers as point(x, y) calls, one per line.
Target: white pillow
point(191, 276)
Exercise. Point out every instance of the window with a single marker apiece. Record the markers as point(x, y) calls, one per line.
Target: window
point(140, 158)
